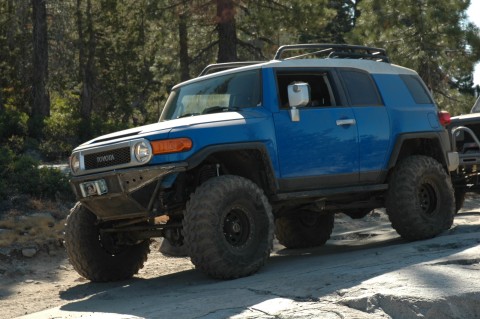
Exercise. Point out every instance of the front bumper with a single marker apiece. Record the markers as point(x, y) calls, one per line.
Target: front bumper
point(130, 192)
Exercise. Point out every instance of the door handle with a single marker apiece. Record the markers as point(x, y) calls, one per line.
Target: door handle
point(346, 122)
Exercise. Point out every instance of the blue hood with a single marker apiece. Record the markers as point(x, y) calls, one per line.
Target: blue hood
point(163, 128)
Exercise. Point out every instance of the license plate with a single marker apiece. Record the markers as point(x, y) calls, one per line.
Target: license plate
point(98, 187)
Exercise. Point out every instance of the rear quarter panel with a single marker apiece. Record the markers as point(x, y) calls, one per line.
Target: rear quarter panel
point(404, 114)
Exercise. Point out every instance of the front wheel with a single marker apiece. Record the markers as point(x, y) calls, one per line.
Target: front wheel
point(228, 227)
point(420, 202)
point(99, 256)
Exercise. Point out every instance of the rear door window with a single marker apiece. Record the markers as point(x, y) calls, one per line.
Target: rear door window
point(360, 87)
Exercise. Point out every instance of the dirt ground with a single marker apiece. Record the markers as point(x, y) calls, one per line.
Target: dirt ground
point(34, 270)
point(47, 280)
point(31, 284)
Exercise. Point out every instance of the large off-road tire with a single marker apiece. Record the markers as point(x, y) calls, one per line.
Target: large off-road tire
point(420, 202)
point(95, 256)
point(304, 229)
point(459, 187)
point(459, 199)
point(228, 227)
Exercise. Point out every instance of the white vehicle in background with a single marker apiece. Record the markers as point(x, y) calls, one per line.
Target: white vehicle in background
point(476, 106)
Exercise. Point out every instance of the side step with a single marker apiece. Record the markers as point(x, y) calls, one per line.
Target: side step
point(332, 191)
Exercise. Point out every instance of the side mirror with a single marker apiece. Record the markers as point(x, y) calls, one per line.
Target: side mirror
point(298, 96)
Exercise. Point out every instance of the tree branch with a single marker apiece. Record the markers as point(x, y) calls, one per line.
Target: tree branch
point(446, 95)
point(251, 47)
point(209, 47)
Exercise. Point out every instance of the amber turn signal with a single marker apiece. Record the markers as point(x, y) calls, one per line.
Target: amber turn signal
point(174, 145)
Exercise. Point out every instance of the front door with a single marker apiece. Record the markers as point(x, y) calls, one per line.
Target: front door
point(320, 150)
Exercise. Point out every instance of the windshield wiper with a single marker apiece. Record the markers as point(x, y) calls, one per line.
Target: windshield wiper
point(218, 108)
point(188, 114)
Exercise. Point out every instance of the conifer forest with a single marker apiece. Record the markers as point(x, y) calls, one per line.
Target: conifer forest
point(74, 69)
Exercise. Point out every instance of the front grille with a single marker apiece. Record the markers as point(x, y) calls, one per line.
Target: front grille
point(107, 158)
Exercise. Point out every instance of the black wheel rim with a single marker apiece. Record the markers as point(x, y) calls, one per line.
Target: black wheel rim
point(309, 219)
point(112, 242)
point(236, 227)
point(427, 196)
point(109, 244)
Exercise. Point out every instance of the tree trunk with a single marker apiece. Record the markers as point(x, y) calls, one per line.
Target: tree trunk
point(4, 55)
point(227, 32)
point(41, 99)
point(86, 60)
point(81, 40)
point(183, 40)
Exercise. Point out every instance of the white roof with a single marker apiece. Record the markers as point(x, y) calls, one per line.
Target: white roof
point(367, 65)
point(373, 67)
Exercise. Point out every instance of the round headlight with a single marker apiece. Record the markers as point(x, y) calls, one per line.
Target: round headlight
point(75, 163)
point(142, 151)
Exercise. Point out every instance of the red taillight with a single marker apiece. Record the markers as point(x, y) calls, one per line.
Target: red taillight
point(444, 118)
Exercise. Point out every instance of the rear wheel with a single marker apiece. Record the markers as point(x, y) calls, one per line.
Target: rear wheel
point(99, 256)
point(228, 227)
point(420, 201)
point(304, 229)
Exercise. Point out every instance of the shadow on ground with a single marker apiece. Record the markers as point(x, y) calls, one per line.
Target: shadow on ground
point(303, 276)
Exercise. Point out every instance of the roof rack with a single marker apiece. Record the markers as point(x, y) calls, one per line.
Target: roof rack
point(337, 51)
point(212, 68)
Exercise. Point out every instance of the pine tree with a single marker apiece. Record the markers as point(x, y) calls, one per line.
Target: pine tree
point(41, 99)
point(432, 37)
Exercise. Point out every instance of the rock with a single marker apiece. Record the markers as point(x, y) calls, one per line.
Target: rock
point(7, 237)
point(44, 220)
point(29, 252)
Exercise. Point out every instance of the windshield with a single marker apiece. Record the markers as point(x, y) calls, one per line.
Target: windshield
point(219, 94)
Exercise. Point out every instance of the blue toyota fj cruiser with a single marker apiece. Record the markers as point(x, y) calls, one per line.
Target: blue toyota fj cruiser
point(247, 151)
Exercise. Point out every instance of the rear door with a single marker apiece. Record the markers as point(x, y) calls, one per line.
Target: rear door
point(372, 123)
